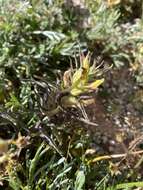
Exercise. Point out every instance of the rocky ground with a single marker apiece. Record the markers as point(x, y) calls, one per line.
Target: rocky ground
point(118, 112)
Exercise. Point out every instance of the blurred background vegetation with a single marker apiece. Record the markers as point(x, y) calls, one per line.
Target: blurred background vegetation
point(42, 43)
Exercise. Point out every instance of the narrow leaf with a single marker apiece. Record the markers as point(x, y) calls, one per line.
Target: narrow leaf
point(80, 180)
point(95, 84)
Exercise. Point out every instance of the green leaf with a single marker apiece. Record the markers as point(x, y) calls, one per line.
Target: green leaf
point(77, 91)
point(53, 36)
point(95, 84)
point(77, 77)
point(80, 180)
point(85, 62)
point(13, 102)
